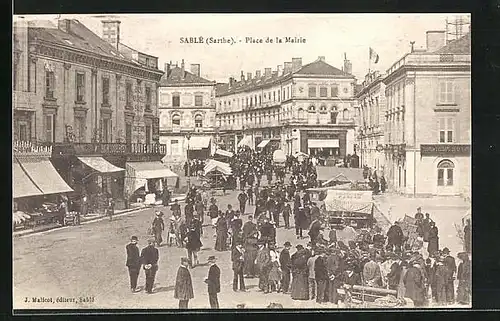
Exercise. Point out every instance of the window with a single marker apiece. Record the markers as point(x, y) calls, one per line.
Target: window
point(80, 87)
point(260, 100)
point(198, 121)
point(148, 98)
point(301, 113)
point(198, 100)
point(176, 101)
point(128, 95)
point(80, 129)
point(174, 147)
point(312, 108)
point(446, 91)
point(176, 120)
point(49, 129)
point(23, 132)
point(323, 92)
point(105, 91)
point(312, 91)
point(49, 84)
point(446, 129)
point(279, 95)
point(148, 134)
point(445, 173)
point(106, 130)
point(274, 96)
point(251, 101)
point(322, 108)
point(333, 116)
point(335, 91)
point(345, 114)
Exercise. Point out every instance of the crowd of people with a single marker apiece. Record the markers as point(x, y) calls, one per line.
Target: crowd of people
point(419, 270)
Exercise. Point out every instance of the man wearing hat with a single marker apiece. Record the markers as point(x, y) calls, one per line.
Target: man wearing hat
point(213, 282)
point(238, 259)
point(157, 227)
point(183, 284)
point(176, 208)
point(419, 215)
point(133, 262)
point(451, 268)
point(395, 237)
point(149, 258)
point(286, 266)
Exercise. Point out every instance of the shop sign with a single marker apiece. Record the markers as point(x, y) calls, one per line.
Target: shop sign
point(445, 150)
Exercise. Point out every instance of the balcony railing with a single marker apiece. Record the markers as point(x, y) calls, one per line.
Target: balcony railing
point(107, 149)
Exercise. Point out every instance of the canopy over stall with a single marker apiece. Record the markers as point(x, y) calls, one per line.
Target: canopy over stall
point(43, 175)
point(22, 186)
point(139, 172)
point(331, 174)
point(263, 143)
point(222, 152)
point(213, 165)
point(246, 141)
point(349, 201)
point(199, 142)
point(279, 156)
point(100, 164)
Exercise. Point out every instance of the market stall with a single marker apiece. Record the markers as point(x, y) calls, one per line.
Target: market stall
point(349, 207)
point(218, 175)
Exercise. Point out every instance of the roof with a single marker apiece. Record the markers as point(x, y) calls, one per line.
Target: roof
point(458, 46)
point(318, 68)
point(326, 173)
point(80, 38)
point(175, 78)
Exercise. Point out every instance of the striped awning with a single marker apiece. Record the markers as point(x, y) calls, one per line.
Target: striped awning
point(100, 164)
point(45, 176)
point(263, 143)
point(22, 186)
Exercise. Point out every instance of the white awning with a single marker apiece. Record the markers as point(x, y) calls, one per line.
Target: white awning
point(45, 177)
point(199, 142)
point(100, 164)
point(213, 165)
point(323, 143)
point(149, 170)
point(246, 141)
point(22, 185)
point(263, 143)
point(224, 153)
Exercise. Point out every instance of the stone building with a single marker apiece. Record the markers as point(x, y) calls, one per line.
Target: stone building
point(295, 108)
point(187, 113)
point(427, 119)
point(85, 97)
point(370, 138)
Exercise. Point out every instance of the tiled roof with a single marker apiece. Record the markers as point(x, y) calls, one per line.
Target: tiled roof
point(317, 67)
point(174, 78)
point(458, 46)
point(81, 38)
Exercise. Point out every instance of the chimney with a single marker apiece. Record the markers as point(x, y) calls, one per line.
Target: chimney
point(321, 58)
point(242, 76)
point(296, 64)
point(167, 68)
point(288, 68)
point(347, 65)
point(64, 25)
point(279, 70)
point(231, 82)
point(182, 69)
point(435, 40)
point(111, 32)
point(267, 72)
point(195, 69)
point(257, 74)
point(249, 76)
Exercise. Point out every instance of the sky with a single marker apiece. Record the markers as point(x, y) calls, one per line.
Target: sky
point(328, 35)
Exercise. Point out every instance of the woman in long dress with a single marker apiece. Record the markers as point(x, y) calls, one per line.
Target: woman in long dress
point(300, 285)
point(433, 239)
point(221, 238)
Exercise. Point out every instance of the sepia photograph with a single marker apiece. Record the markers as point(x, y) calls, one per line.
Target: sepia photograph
point(241, 161)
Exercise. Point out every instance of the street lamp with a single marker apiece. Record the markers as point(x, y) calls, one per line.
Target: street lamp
point(188, 137)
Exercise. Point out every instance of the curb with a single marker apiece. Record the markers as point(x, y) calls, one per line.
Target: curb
point(90, 220)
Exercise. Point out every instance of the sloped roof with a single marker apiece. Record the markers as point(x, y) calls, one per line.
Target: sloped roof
point(459, 46)
point(81, 38)
point(342, 174)
point(175, 78)
point(317, 67)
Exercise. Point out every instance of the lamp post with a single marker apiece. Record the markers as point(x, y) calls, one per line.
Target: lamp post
point(188, 137)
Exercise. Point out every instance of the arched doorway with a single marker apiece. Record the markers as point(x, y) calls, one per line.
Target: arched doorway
point(446, 180)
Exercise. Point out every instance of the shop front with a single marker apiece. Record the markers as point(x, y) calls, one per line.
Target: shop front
point(325, 145)
point(199, 147)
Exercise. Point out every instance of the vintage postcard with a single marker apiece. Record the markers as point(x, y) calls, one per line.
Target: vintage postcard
point(241, 161)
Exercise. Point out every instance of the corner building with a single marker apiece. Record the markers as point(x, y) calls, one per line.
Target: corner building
point(295, 108)
point(427, 120)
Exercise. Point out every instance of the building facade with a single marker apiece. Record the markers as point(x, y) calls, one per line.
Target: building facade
point(83, 96)
point(427, 119)
point(187, 113)
point(371, 120)
point(295, 108)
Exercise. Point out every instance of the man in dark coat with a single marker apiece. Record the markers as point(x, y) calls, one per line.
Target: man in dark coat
point(335, 268)
point(315, 213)
point(242, 199)
point(426, 227)
point(176, 208)
point(133, 262)
point(193, 245)
point(266, 231)
point(440, 281)
point(451, 268)
point(149, 259)
point(264, 264)
point(321, 275)
point(286, 266)
point(433, 245)
point(238, 259)
point(286, 215)
point(299, 221)
point(183, 285)
point(249, 228)
point(394, 275)
point(395, 237)
point(213, 282)
point(414, 285)
point(189, 212)
point(165, 196)
point(314, 231)
point(467, 237)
